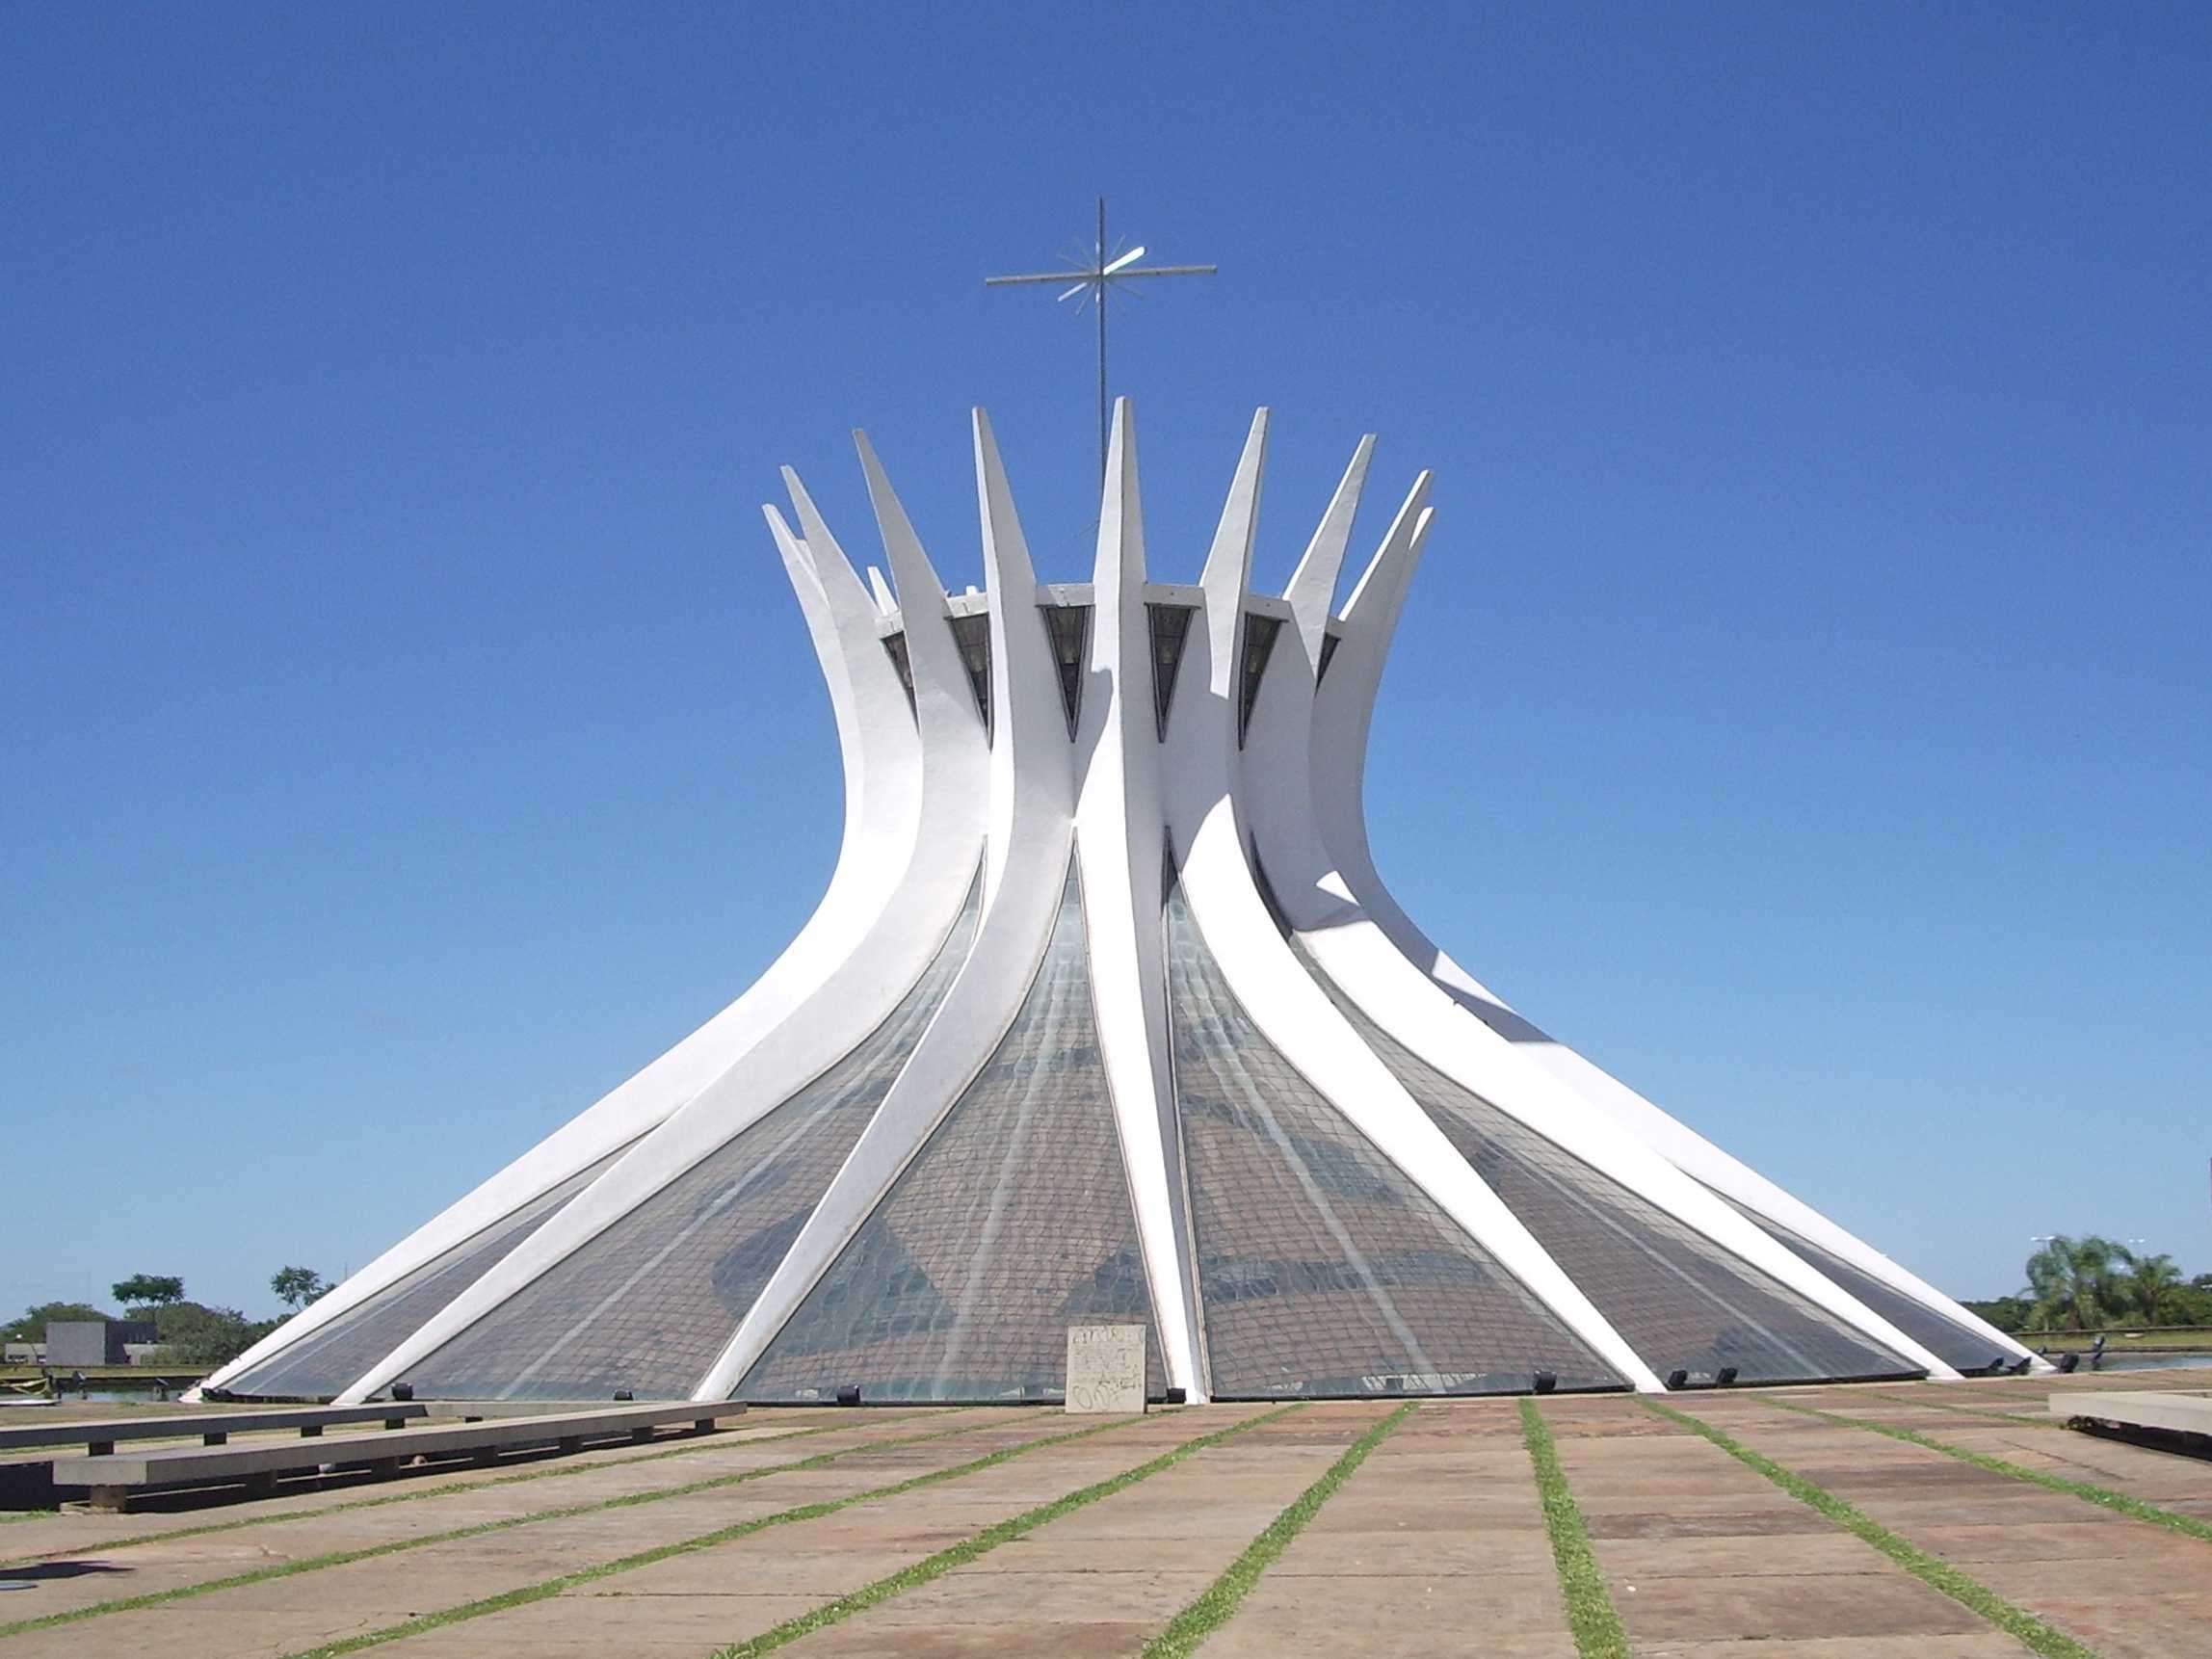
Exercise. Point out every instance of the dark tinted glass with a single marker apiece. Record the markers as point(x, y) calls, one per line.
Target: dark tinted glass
point(1675, 1297)
point(1322, 1269)
point(341, 1353)
point(1955, 1344)
point(1012, 1223)
point(648, 1303)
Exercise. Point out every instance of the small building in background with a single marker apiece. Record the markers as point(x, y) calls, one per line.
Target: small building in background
point(78, 1342)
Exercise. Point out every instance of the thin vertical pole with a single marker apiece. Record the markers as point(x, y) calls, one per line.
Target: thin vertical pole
point(1102, 409)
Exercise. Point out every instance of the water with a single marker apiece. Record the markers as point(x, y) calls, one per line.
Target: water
point(2149, 1362)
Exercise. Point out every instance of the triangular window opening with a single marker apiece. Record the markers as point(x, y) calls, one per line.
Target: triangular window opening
point(896, 645)
point(1170, 627)
point(972, 635)
point(1068, 629)
point(1259, 634)
point(1328, 645)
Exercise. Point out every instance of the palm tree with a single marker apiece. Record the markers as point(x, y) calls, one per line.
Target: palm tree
point(2150, 1283)
point(2075, 1283)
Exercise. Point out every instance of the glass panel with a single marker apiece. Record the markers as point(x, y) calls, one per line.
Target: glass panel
point(1259, 634)
point(1322, 1269)
point(1957, 1346)
point(1678, 1299)
point(648, 1303)
point(972, 635)
point(1012, 1223)
point(1328, 644)
point(896, 645)
point(1068, 628)
point(340, 1353)
point(1170, 626)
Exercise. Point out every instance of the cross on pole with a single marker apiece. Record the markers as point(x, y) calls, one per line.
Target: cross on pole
point(1092, 282)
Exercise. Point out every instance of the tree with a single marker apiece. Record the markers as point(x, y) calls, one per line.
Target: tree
point(148, 1290)
point(2076, 1283)
point(31, 1326)
point(2008, 1313)
point(2151, 1285)
point(297, 1286)
point(205, 1336)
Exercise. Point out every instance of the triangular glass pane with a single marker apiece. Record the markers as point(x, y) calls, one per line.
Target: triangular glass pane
point(896, 645)
point(648, 1303)
point(1955, 1344)
point(971, 634)
point(336, 1354)
point(1322, 1269)
point(1012, 1223)
point(1068, 629)
point(1170, 627)
point(1259, 634)
point(1328, 645)
point(1678, 1299)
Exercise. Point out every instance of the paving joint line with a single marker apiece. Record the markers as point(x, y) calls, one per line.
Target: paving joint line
point(2088, 1491)
point(1589, 1611)
point(1219, 1601)
point(934, 1567)
point(1938, 1575)
point(693, 1446)
point(479, 1529)
point(1965, 1410)
point(545, 1589)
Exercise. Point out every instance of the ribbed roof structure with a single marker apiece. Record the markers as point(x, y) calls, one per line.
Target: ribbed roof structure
point(1106, 1016)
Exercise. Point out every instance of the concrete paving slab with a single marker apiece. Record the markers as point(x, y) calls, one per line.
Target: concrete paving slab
point(1867, 1603)
point(386, 1589)
point(1117, 1570)
point(1989, 1644)
point(1516, 1618)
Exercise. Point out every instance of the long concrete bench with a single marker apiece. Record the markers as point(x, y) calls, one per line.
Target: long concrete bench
point(2172, 1414)
point(100, 1436)
point(116, 1477)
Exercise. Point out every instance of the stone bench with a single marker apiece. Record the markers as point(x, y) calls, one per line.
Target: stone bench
point(2171, 1413)
point(114, 1477)
point(214, 1427)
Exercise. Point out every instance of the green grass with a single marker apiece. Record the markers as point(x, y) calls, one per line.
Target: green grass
point(2104, 1497)
point(445, 1488)
point(551, 1587)
point(981, 1543)
point(1590, 1614)
point(420, 1541)
point(1219, 1601)
point(2014, 1620)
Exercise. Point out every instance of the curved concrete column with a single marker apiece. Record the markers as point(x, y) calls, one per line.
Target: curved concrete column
point(881, 824)
point(1342, 714)
point(1267, 979)
point(1028, 841)
point(1120, 845)
point(942, 790)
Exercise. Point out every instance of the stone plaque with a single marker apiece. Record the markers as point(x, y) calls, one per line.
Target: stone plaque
point(1105, 1368)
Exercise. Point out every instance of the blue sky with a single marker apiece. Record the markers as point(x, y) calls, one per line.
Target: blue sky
point(408, 732)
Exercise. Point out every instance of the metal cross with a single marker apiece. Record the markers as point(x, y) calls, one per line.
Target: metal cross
point(1091, 283)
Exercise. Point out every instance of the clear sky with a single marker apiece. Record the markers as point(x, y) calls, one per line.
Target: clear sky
point(408, 732)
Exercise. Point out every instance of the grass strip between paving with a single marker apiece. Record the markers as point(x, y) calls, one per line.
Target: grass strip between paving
point(552, 1586)
point(692, 1447)
point(1219, 1601)
point(2012, 1619)
point(1589, 1613)
point(981, 1543)
point(507, 1523)
point(2104, 1497)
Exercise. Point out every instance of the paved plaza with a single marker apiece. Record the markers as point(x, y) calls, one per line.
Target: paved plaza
point(1904, 1521)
